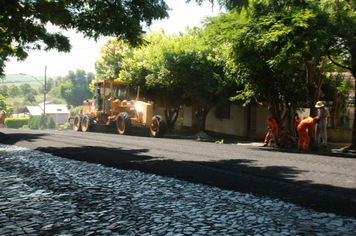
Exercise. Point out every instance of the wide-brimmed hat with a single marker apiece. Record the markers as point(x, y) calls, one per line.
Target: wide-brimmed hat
point(319, 104)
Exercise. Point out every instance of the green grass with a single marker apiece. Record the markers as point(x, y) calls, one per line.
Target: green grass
point(337, 146)
point(21, 79)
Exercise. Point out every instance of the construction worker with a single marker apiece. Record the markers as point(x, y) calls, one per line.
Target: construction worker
point(307, 123)
point(321, 129)
point(272, 128)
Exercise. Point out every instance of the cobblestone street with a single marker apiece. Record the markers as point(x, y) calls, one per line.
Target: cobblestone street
point(43, 194)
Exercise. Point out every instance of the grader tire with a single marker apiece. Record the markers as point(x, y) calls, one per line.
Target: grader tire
point(123, 123)
point(87, 122)
point(77, 124)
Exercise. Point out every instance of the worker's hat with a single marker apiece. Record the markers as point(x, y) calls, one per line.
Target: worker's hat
point(269, 118)
point(319, 104)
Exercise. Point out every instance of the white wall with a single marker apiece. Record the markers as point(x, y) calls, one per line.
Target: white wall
point(58, 118)
point(187, 116)
point(261, 121)
point(236, 125)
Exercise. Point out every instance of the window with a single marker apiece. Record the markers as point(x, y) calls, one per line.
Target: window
point(223, 111)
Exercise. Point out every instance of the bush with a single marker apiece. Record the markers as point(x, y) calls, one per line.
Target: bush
point(51, 124)
point(16, 123)
point(35, 122)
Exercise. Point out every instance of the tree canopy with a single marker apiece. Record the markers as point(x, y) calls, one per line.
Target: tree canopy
point(176, 69)
point(24, 23)
point(75, 87)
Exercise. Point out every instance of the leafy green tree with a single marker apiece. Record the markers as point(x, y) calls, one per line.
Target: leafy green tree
point(29, 98)
point(49, 86)
point(75, 89)
point(27, 89)
point(36, 122)
point(14, 91)
point(24, 22)
point(342, 47)
point(17, 106)
point(51, 123)
point(336, 89)
point(279, 50)
point(146, 67)
point(3, 105)
point(183, 70)
point(55, 92)
point(228, 4)
point(109, 65)
point(4, 90)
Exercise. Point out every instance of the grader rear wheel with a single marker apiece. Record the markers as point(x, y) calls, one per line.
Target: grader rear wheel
point(77, 125)
point(86, 123)
point(123, 123)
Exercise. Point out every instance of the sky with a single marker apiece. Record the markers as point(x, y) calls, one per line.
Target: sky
point(85, 52)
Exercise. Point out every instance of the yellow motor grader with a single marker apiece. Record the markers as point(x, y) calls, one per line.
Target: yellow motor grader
point(111, 107)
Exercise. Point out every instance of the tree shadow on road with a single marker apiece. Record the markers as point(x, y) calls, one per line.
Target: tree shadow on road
point(240, 175)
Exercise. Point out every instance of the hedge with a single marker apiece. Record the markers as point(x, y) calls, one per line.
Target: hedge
point(16, 123)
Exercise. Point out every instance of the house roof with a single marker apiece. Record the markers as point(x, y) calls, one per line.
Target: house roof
point(50, 109)
point(33, 110)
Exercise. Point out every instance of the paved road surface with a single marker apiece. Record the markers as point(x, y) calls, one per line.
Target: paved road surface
point(323, 182)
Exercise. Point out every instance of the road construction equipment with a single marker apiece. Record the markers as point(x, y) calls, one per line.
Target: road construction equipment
point(111, 107)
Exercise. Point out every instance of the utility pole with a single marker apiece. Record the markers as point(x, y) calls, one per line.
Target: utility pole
point(44, 93)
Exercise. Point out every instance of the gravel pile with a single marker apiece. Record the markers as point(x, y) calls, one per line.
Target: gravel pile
point(42, 194)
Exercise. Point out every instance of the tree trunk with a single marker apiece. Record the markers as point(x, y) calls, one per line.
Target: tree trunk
point(171, 111)
point(280, 112)
point(201, 118)
point(314, 80)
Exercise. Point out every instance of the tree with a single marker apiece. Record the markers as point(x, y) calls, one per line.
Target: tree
point(342, 47)
point(24, 23)
point(3, 105)
point(27, 89)
point(185, 67)
point(51, 123)
point(14, 91)
point(228, 4)
point(4, 90)
point(140, 66)
point(109, 65)
point(179, 69)
point(278, 48)
point(17, 106)
point(75, 88)
point(336, 89)
point(29, 98)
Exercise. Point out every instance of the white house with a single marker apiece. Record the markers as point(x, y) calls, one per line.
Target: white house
point(58, 112)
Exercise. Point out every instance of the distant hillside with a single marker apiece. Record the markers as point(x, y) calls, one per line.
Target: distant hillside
point(21, 79)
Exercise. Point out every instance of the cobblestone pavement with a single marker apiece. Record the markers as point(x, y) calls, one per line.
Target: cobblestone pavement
point(42, 194)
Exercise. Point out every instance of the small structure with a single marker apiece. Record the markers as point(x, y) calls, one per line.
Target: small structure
point(58, 112)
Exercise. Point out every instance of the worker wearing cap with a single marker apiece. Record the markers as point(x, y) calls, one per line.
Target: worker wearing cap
point(272, 128)
point(321, 132)
point(306, 124)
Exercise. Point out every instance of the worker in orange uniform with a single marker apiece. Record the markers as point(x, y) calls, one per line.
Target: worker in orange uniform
point(272, 128)
point(307, 123)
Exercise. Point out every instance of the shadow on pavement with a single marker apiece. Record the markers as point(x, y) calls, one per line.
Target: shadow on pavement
point(238, 175)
